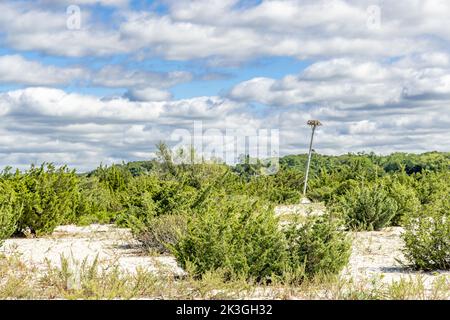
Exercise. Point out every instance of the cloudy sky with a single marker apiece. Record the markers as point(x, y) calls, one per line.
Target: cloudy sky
point(90, 81)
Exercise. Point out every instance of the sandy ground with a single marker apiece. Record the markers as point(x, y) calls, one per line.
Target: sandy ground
point(112, 246)
point(378, 255)
point(374, 254)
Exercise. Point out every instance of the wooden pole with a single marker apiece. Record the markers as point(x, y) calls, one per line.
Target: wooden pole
point(309, 161)
point(313, 124)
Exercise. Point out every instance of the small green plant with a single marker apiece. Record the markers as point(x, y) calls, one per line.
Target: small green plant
point(316, 247)
point(366, 207)
point(427, 236)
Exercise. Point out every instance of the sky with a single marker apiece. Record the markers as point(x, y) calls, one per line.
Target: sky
point(84, 82)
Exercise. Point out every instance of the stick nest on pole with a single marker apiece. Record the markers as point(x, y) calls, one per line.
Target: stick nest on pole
point(314, 123)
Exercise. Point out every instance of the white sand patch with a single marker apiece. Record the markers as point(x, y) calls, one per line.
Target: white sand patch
point(112, 246)
point(378, 255)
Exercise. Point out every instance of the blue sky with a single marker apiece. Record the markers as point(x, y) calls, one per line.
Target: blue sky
point(376, 73)
point(208, 80)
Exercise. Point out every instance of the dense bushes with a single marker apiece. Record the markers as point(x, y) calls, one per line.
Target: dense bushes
point(282, 187)
point(415, 163)
point(238, 235)
point(156, 211)
point(316, 246)
point(114, 177)
point(427, 236)
point(10, 210)
point(427, 230)
point(148, 197)
point(159, 233)
point(49, 196)
point(428, 185)
point(214, 216)
point(406, 199)
point(95, 203)
point(242, 238)
point(366, 207)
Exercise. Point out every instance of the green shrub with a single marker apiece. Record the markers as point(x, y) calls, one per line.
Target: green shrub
point(316, 247)
point(149, 194)
point(115, 177)
point(406, 199)
point(159, 233)
point(238, 235)
point(96, 203)
point(49, 196)
point(174, 197)
point(430, 184)
point(324, 187)
point(280, 188)
point(366, 207)
point(427, 236)
point(10, 210)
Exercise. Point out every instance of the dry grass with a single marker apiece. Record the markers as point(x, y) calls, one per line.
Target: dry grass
point(104, 265)
point(89, 280)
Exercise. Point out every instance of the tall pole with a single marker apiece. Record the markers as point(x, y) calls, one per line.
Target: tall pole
point(313, 124)
point(309, 161)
